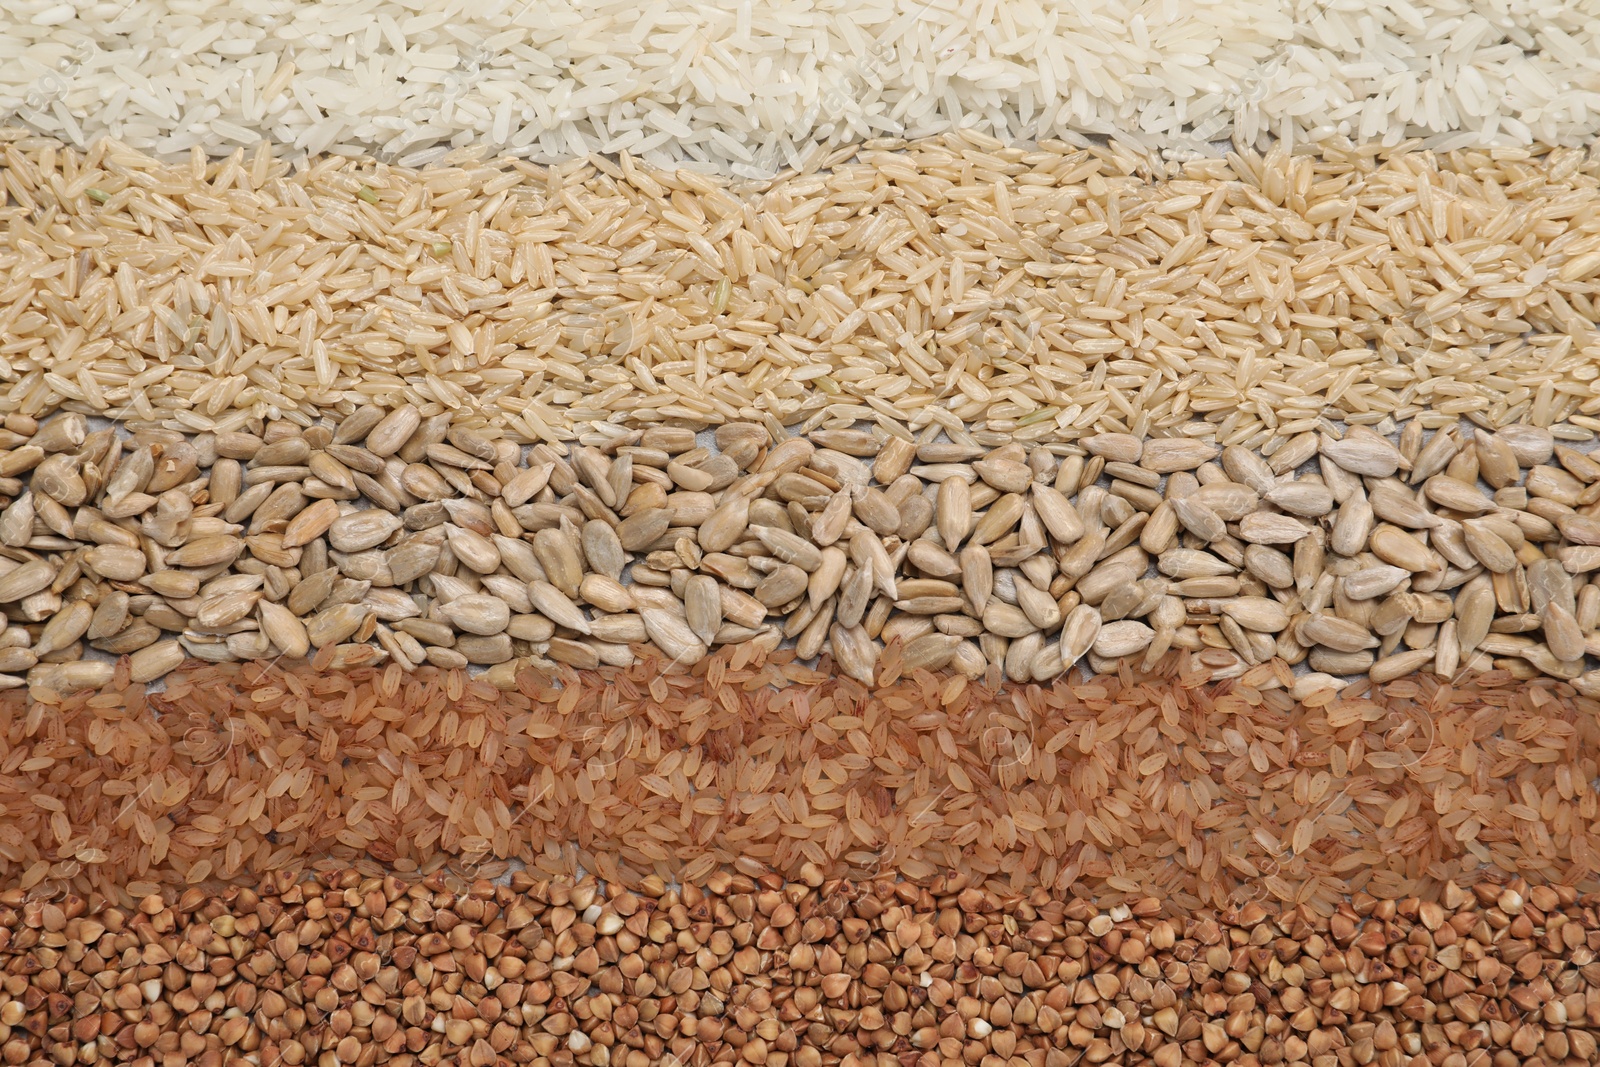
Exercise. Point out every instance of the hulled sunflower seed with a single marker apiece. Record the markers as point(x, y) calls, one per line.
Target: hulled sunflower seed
point(1265, 528)
point(1338, 634)
point(477, 613)
point(1124, 638)
point(556, 606)
point(1078, 633)
point(1368, 455)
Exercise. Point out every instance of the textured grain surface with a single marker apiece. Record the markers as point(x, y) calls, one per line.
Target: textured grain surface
point(1115, 788)
point(753, 87)
point(1030, 294)
point(749, 970)
point(480, 552)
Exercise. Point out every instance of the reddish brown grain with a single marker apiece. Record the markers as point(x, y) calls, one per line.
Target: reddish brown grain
point(1115, 787)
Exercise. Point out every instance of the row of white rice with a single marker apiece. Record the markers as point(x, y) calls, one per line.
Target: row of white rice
point(754, 85)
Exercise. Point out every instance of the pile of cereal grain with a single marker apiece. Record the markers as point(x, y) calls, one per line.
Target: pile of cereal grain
point(1030, 294)
point(755, 86)
point(1110, 788)
point(745, 969)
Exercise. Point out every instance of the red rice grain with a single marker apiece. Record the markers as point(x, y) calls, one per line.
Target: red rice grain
point(1116, 787)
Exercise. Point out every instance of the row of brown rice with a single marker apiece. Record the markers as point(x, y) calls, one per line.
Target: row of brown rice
point(1001, 293)
point(1113, 787)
